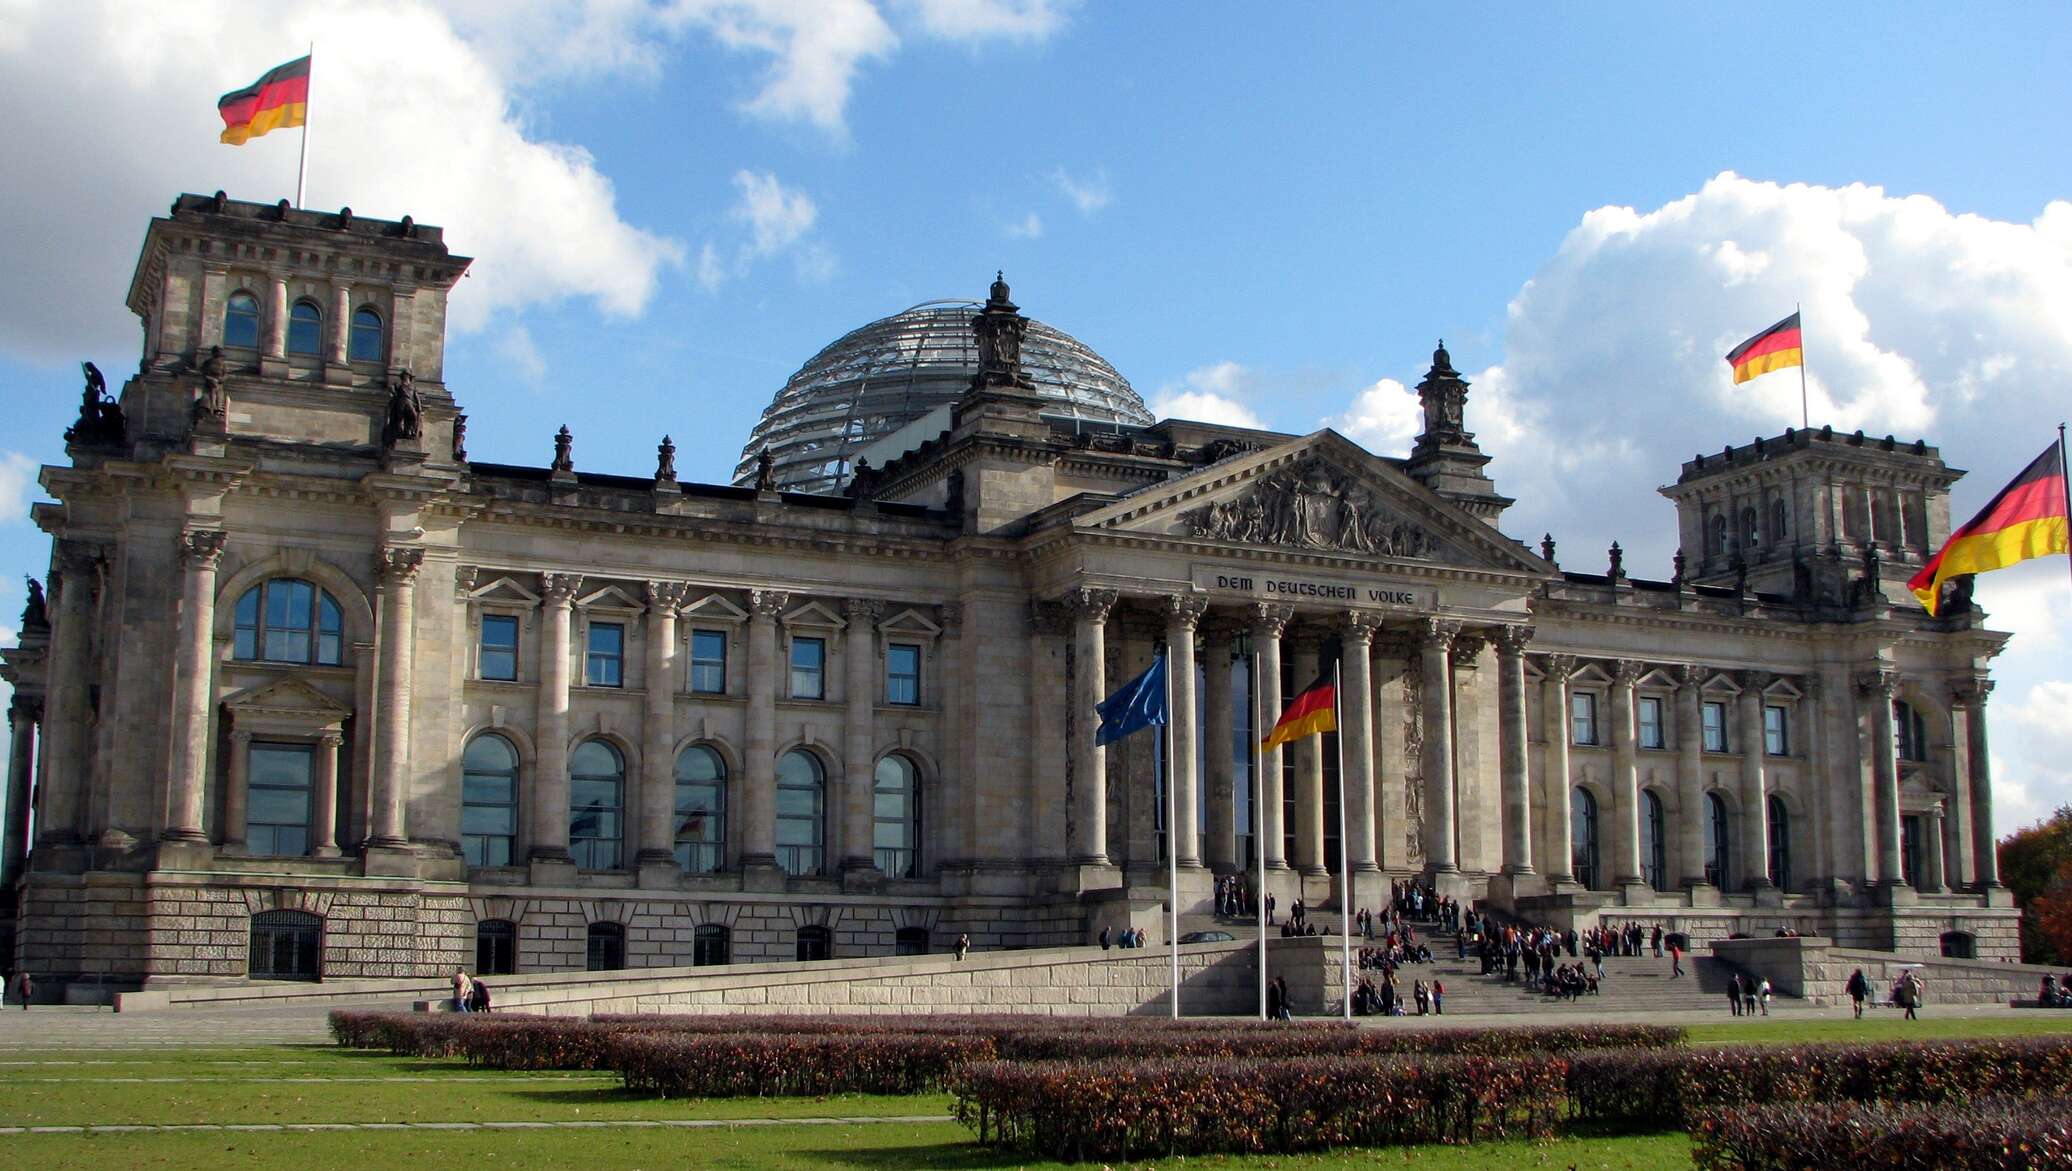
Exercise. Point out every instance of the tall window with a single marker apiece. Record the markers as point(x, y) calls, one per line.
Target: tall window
point(1751, 535)
point(1778, 521)
point(498, 656)
point(241, 322)
point(364, 343)
point(896, 804)
point(1582, 812)
point(709, 662)
point(1715, 721)
point(489, 801)
point(286, 945)
point(1651, 722)
point(1780, 844)
point(808, 668)
point(1910, 837)
point(1582, 717)
point(1653, 860)
point(305, 328)
point(496, 947)
point(288, 620)
point(1716, 844)
point(801, 797)
point(701, 810)
point(607, 655)
point(1910, 731)
point(596, 795)
point(903, 674)
point(708, 945)
point(279, 798)
point(1719, 534)
point(1776, 731)
point(815, 943)
point(605, 947)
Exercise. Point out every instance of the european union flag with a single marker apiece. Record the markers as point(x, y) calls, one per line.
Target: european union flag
point(1138, 705)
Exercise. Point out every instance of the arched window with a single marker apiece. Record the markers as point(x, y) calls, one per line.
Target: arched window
point(241, 322)
point(496, 947)
point(709, 945)
point(1716, 843)
point(1719, 534)
point(1780, 844)
point(1582, 812)
point(1779, 519)
point(910, 941)
point(596, 805)
point(896, 834)
point(801, 800)
point(364, 343)
point(1909, 731)
point(288, 620)
point(1751, 536)
point(1652, 851)
point(489, 801)
point(305, 328)
point(605, 948)
point(286, 945)
point(701, 810)
point(815, 943)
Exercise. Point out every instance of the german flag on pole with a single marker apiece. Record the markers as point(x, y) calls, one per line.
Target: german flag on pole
point(2027, 519)
point(276, 101)
point(1314, 711)
point(1776, 348)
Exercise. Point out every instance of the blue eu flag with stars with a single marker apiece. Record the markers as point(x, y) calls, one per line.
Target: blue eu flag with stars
point(1138, 705)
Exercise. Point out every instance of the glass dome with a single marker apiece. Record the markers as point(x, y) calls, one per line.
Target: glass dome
point(876, 379)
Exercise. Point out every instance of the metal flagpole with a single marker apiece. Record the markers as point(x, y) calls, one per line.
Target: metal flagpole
point(1805, 411)
point(302, 161)
point(1172, 836)
point(1345, 874)
point(1259, 833)
point(2066, 480)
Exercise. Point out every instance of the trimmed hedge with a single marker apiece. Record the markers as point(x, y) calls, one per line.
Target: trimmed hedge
point(1042, 1044)
point(1669, 1089)
point(726, 1065)
point(1186, 1106)
point(1998, 1134)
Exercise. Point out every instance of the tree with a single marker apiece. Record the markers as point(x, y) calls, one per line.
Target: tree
point(2036, 864)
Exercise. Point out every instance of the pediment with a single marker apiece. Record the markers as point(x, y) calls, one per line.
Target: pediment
point(610, 598)
point(910, 622)
point(1321, 493)
point(814, 614)
point(286, 698)
point(506, 591)
point(714, 608)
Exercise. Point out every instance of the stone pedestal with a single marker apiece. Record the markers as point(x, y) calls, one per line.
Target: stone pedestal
point(1702, 894)
point(175, 854)
point(551, 871)
point(391, 862)
point(1082, 878)
point(1894, 894)
point(763, 877)
point(656, 875)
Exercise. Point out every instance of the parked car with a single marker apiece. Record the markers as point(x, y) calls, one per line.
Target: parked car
point(1207, 937)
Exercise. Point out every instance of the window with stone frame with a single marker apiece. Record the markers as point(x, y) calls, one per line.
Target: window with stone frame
point(496, 655)
point(605, 655)
point(1713, 716)
point(701, 810)
point(801, 813)
point(710, 946)
point(597, 805)
point(808, 668)
point(288, 620)
point(363, 343)
point(605, 947)
point(279, 798)
point(815, 943)
point(709, 662)
point(1776, 730)
point(305, 329)
point(1909, 731)
point(1649, 713)
point(896, 817)
point(496, 947)
point(489, 801)
point(903, 674)
point(910, 941)
point(241, 322)
point(1582, 717)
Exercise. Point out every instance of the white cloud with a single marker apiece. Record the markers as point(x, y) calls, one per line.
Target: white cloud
point(1209, 394)
point(711, 272)
point(777, 216)
point(522, 355)
point(1384, 418)
point(18, 486)
point(816, 48)
point(409, 117)
point(971, 20)
point(1088, 193)
point(1031, 228)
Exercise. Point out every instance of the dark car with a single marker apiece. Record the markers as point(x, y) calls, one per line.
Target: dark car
point(1207, 937)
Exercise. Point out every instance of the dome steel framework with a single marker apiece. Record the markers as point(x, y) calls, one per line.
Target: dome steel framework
point(880, 377)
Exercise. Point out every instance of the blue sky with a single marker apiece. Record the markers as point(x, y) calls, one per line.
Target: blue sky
point(1270, 220)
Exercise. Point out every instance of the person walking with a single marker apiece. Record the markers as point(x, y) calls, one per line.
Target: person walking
point(1734, 993)
point(463, 990)
point(25, 988)
point(1438, 998)
point(1280, 984)
point(1675, 961)
point(1859, 991)
point(1273, 999)
point(1911, 987)
point(1104, 937)
point(1762, 995)
point(1269, 909)
point(1748, 997)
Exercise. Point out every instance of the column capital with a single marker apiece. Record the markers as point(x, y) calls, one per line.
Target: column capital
point(1360, 626)
point(77, 557)
point(666, 596)
point(1183, 611)
point(1972, 692)
point(1089, 604)
point(1627, 672)
point(1047, 617)
point(1753, 682)
point(1877, 684)
point(329, 739)
point(1809, 686)
point(951, 616)
point(1512, 640)
point(399, 564)
point(1467, 646)
point(464, 579)
point(1270, 619)
point(200, 548)
point(1438, 634)
point(864, 610)
point(242, 737)
point(559, 588)
point(21, 707)
point(1558, 667)
point(1692, 675)
point(767, 604)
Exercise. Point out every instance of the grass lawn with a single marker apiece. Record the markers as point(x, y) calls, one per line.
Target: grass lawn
point(1884, 1026)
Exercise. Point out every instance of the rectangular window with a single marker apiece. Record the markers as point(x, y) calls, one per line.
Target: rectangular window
point(808, 668)
point(1715, 727)
point(1776, 732)
point(903, 674)
point(709, 662)
point(1582, 711)
point(498, 658)
point(607, 656)
point(1651, 722)
point(280, 780)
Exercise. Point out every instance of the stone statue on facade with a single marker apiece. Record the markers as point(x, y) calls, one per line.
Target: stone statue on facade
point(100, 422)
point(211, 410)
point(406, 410)
point(1618, 563)
point(665, 459)
point(765, 471)
point(999, 330)
point(1547, 549)
point(564, 451)
point(460, 438)
point(35, 616)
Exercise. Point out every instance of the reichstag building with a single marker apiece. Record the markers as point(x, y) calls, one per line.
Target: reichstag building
point(312, 694)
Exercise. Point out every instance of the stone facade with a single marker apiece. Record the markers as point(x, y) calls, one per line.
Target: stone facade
point(317, 695)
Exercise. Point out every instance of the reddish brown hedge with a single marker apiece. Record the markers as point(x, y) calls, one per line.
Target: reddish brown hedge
point(1993, 1134)
point(726, 1065)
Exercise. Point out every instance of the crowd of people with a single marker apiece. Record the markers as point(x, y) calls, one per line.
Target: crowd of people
point(1127, 937)
point(2056, 993)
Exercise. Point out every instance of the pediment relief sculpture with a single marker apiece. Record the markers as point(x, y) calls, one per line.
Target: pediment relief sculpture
point(1312, 507)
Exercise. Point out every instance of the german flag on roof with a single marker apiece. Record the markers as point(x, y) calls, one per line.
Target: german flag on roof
point(1314, 711)
point(276, 101)
point(1776, 348)
point(2027, 519)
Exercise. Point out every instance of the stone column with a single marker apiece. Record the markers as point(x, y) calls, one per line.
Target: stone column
point(1218, 740)
point(550, 782)
point(1694, 823)
point(1088, 845)
point(397, 644)
point(1269, 621)
point(1932, 853)
point(1511, 731)
point(1356, 701)
point(1183, 616)
point(1626, 869)
point(1755, 804)
point(341, 321)
point(237, 791)
point(193, 684)
point(1560, 865)
point(277, 321)
point(859, 735)
point(324, 829)
point(1437, 688)
point(1876, 687)
point(1309, 772)
point(22, 715)
point(1985, 862)
point(658, 728)
point(765, 680)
